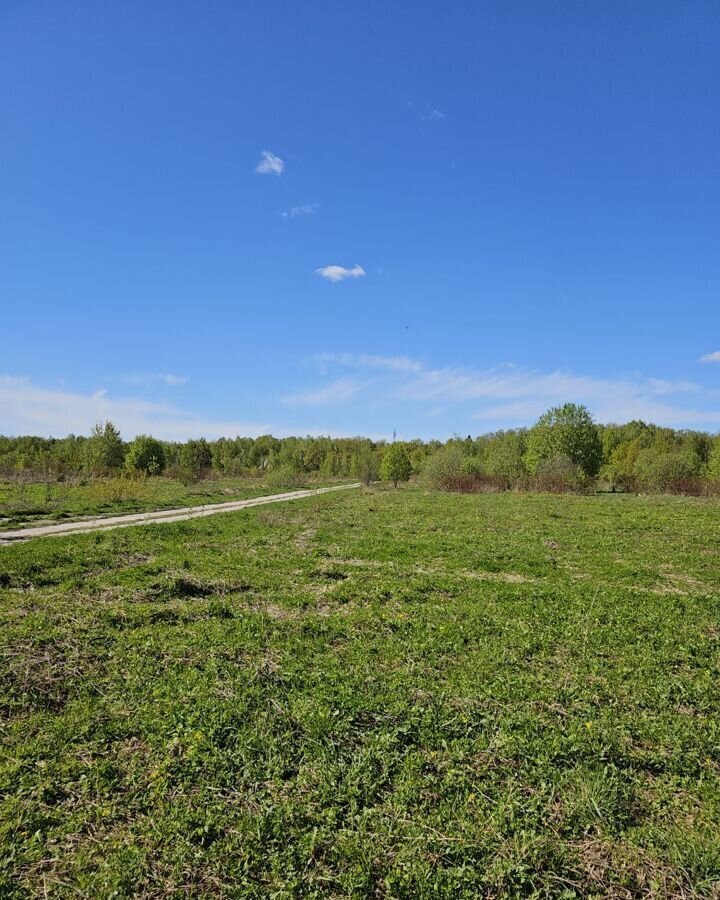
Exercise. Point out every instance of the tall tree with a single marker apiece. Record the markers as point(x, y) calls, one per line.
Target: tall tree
point(396, 465)
point(569, 431)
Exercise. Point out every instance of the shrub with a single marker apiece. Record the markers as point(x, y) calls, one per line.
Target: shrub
point(559, 475)
point(104, 450)
point(504, 457)
point(473, 466)
point(666, 471)
point(447, 462)
point(194, 461)
point(713, 468)
point(119, 489)
point(146, 455)
point(473, 484)
point(286, 477)
point(366, 465)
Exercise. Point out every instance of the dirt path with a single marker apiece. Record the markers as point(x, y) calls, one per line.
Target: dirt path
point(100, 523)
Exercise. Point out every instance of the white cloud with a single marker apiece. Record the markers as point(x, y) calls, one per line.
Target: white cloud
point(339, 273)
point(337, 392)
point(368, 361)
point(270, 164)
point(433, 115)
point(308, 209)
point(507, 394)
point(711, 357)
point(28, 409)
point(173, 380)
point(147, 379)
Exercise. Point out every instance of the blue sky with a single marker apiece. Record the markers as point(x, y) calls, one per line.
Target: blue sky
point(348, 218)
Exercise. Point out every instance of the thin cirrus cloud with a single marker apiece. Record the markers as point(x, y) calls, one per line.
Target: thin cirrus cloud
point(501, 396)
point(711, 357)
point(307, 209)
point(433, 116)
point(340, 273)
point(26, 408)
point(270, 164)
point(148, 379)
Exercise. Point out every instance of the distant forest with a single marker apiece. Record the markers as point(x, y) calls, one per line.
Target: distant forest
point(563, 450)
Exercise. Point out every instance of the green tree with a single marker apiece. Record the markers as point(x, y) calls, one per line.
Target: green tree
point(194, 460)
point(104, 450)
point(146, 455)
point(366, 465)
point(447, 462)
point(504, 456)
point(565, 431)
point(396, 465)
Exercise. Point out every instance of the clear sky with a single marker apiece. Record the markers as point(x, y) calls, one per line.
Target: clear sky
point(349, 217)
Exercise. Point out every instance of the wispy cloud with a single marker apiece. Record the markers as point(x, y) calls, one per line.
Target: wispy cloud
point(148, 379)
point(26, 408)
point(433, 115)
point(270, 164)
point(711, 357)
point(368, 361)
point(504, 395)
point(340, 273)
point(337, 392)
point(308, 209)
point(173, 380)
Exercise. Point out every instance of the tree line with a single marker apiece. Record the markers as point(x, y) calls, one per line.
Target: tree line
point(564, 450)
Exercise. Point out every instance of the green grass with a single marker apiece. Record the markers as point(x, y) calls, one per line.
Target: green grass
point(35, 503)
point(367, 694)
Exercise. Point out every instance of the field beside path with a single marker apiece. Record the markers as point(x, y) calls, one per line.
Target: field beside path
point(38, 504)
point(367, 693)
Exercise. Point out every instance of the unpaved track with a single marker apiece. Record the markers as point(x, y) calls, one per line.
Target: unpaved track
point(98, 523)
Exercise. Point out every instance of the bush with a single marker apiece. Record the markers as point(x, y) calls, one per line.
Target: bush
point(286, 477)
point(504, 457)
point(119, 489)
point(671, 472)
point(194, 461)
point(473, 466)
point(366, 465)
point(104, 450)
point(560, 475)
point(473, 484)
point(447, 462)
point(145, 455)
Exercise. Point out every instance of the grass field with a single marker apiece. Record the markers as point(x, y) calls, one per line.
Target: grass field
point(38, 503)
point(367, 694)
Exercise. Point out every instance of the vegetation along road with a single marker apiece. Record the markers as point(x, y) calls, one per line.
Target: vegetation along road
point(105, 523)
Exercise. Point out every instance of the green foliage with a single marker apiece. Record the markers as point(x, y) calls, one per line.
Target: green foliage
point(659, 471)
point(559, 474)
point(447, 462)
point(285, 477)
point(565, 431)
point(500, 460)
point(395, 694)
point(194, 461)
point(473, 466)
point(366, 465)
point(145, 455)
point(104, 450)
point(713, 469)
point(504, 456)
point(396, 465)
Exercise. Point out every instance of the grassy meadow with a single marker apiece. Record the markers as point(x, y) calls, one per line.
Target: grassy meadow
point(372, 693)
point(37, 503)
